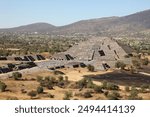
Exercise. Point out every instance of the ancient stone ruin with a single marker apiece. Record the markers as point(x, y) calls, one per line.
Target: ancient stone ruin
point(99, 52)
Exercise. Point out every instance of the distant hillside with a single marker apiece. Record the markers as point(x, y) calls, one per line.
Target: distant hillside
point(127, 25)
point(86, 26)
point(112, 25)
point(36, 27)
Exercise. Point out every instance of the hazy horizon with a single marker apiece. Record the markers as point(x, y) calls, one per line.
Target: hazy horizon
point(59, 13)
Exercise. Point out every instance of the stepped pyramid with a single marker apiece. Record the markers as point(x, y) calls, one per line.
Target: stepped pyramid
point(97, 51)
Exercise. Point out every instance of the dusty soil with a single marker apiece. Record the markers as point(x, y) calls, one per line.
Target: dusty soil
point(29, 83)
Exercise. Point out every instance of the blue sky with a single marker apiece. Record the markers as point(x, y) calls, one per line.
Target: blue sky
point(61, 12)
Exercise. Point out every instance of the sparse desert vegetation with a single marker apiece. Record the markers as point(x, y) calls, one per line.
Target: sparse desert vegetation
point(50, 86)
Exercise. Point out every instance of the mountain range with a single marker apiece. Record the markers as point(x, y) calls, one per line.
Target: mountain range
point(136, 23)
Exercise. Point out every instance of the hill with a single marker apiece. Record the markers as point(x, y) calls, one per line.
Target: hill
point(36, 27)
point(133, 24)
point(112, 25)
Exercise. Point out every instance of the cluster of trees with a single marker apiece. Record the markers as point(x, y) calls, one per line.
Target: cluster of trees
point(137, 63)
point(50, 81)
point(134, 95)
point(88, 83)
point(5, 52)
point(28, 44)
point(134, 91)
point(110, 90)
point(34, 93)
point(139, 45)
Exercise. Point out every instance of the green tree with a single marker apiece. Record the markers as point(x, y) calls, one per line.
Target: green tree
point(87, 94)
point(134, 94)
point(98, 89)
point(67, 95)
point(113, 96)
point(2, 86)
point(17, 75)
point(111, 86)
point(40, 90)
point(32, 94)
point(104, 85)
point(120, 64)
point(39, 78)
point(91, 68)
point(82, 83)
point(90, 83)
point(50, 95)
point(136, 63)
point(145, 61)
point(60, 78)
